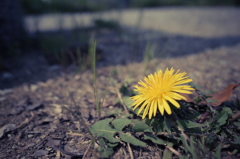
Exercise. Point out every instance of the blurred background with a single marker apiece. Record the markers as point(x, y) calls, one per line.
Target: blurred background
point(59, 32)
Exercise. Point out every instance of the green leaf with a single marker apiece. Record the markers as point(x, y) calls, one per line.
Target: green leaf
point(188, 124)
point(192, 148)
point(211, 140)
point(115, 112)
point(127, 137)
point(220, 120)
point(105, 152)
point(140, 126)
point(237, 124)
point(167, 154)
point(156, 123)
point(236, 139)
point(120, 123)
point(167, 126)
point(127, 101)
point(222, 117)
point(217, 154)
point(154, 139)
point(184, 141)
point(102, 129)
point(227, 109)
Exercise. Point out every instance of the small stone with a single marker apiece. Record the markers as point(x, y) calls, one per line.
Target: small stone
point(33, 87)
point(30, 135)
point(30, 145)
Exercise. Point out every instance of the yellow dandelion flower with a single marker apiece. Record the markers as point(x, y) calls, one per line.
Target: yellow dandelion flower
point(158, 89)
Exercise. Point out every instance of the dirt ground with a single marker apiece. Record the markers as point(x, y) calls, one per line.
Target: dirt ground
point(34, 122)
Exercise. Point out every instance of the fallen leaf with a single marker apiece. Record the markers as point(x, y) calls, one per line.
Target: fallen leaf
point(218, 97)
point(223, 95)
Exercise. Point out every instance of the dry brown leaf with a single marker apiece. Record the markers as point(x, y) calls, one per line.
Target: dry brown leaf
point(223, 95)
point(218, 97)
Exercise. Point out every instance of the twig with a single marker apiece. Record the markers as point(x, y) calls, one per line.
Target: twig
point(174, 151)
point(121, 100)
point(203, 97)
point(130, 151)
point(235, 117)
point(85, 153)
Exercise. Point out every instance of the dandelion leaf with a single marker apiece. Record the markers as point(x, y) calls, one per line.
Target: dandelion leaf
point(188, 124)
point(222, 117)
point(154, 139)
point(105, 152)
point(193, 148)
point(167, 154)
point(217, 154)
point(167, 126)
point(112, 131)
point(128, 101)
point(127, 137)
point(140, 126)
point(156, 123)
point(103, 129)
point(120, 123)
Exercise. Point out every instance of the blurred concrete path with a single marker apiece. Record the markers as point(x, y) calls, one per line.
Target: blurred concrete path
point(189, 21)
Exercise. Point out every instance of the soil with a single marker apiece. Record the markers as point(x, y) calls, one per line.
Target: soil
point(36, 98)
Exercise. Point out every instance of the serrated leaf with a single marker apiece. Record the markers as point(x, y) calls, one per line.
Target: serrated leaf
point(227, 109)
point(127, 137)
point(103, 129)
point(154, 139)
point(221, 118)
point(188, 124)
point(120, 123)
point(140, 126)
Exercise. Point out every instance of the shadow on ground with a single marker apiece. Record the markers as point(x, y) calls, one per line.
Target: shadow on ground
point(118, 48)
